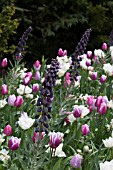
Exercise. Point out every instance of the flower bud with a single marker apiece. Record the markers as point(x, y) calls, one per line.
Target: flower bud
point(77, 112)
point(37, 76)
point(86, 148)
point(99, 100)
point(19, 101)
point(4, 89)
point(26, 80)
point(102, 108)
point(104, 46)
point(11, 100)
point(94, 75)
point(89, 54)
point(4, 62)
point(90, 100)
point(14, 143)
point(76, 161)
point(29, 74)
point(103, 79)
point(8, 130)
point(85, 129)
point(37, 65)
point(35, 88)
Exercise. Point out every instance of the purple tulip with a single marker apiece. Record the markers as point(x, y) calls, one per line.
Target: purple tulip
point(37, 65)
point(55, 139)
point(35, 88)
point(89, 54)
point(14, 143)
point(4, 89)
point(62, 53)
point(85, 129)
point(104, 46)
point(26, 80)
point(11, 100)
point(77, 112)
point(76, 161)
point(103, 79)
point(37, 76)
point(4, 62)
point(8, 130)
point(19, 101)
point(102, 108)
point(94, 75)
point(99, 100)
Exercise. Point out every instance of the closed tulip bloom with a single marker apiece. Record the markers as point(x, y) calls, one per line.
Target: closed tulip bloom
point(102, 108)
point(85, 129)
point(55, 139)
point(14, 143)
point(26, 80)
point(99, 100)
point(37, 75)
point(90, 100)
point(19, 101)
point(76, 161)
point(104, 46)
point(77, 112)
point(62, 53)
point(35, 88)
point(11, 100)
point(4, 89)
point(29, 74)
point(37, 65)
point(8, 130)
point(89, 54)
point(4, 62)
point(103, 79)
point(94, 75)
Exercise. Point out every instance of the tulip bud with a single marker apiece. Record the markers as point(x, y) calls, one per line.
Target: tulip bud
point(102, 108)
point(26, 81)
point(11, 100)
point(90, 100)
point(4, 62)
point(103, 79)
point(8, 130)
point(35, 88)
point(19, 101)
point(88, 63)
point(104, 46)
point(37, 76)
point(55, 139)
point(85, 129)
point(89, 54)
point(14, 143)
point(99, 100)
point(94, 75)
point(4, 89)
point(37, 65)
point(29, 74)
point(67, 121)
point(77, 112)
point(86, 148)
point(76, 161)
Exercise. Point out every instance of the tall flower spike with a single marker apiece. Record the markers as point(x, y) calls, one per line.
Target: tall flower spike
point(79, 50)
point(22, 43)
point(44, 106)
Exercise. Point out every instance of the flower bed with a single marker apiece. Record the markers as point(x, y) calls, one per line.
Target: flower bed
point(58, 116)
